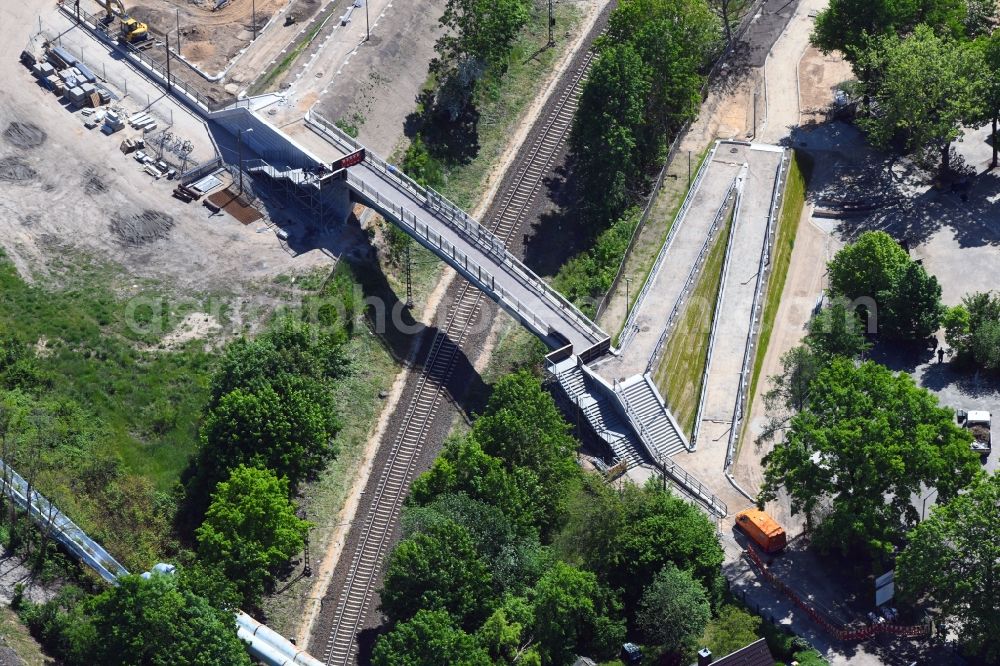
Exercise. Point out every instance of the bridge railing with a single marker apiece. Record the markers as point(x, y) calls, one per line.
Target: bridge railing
point(59, 525)
point(420, 230)
point(457, 219)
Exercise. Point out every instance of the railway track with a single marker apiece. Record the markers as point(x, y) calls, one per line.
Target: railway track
point(354, 599)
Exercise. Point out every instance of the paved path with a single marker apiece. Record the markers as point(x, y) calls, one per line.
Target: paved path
point(650, 312)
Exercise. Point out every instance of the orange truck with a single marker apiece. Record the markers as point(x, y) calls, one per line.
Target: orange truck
point(763, 529)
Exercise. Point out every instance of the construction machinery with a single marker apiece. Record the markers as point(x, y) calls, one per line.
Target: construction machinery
point(131, 31)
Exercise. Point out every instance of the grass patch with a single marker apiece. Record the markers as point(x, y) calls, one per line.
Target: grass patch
point(502, 101)
point(681, 370)
point(661, 220)
point(16, 636)
point(263, 84)
point(97, 352)
point(792, 204)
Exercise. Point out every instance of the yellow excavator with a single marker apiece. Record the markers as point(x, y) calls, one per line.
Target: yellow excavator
point(132, 31)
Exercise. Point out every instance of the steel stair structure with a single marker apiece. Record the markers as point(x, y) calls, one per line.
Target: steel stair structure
point(644, 406)
point(299, 177)
point(632, 419)
point(579, 390)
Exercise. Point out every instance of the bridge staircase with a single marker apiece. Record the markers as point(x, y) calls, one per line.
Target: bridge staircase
point(646, 409)
point(631, 418)
point(581, 391)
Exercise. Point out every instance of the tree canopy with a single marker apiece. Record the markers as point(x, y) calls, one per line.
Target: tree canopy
point(571, 615)
point(865, 442)
point(953, 559)
point(846, 25)
point(251, 529)
point(732, 630)
point(160, 621)
point(945, 72)
point(973, 330)
point(674, 610)
point(429, 638)
point(271, 405)
point(437, 569)
point(875, 269)
point(644, 84)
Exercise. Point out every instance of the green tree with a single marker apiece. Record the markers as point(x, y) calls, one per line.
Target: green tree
point(836, 331)
point(626, 536)
point(481, 30)
point(463, 467)
point(675, 40)
point(571, 616)
point(478, 36)
point(989, 73)
point(523, 427)
point(867, 440)
point(985, 345)
point(286, 348)
point(421, 166)
point(912, 310)
point(870, 265)
point(514, 559)
point(953, 561)
point(160, 621)
point(674, 610)
point(606, 128)
point(946, 74)
point(429, 638)
point(845, 25)
point(271, 405)
point(251, 529)
point(506, 634)
point(438, 569)
point(875, 268)
point(285, 429)
point(733, 629)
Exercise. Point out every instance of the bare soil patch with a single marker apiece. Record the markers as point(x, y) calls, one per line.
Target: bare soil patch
point(24, 135)
point(819, 76)
point(15, 170)
point(141, 228)
point(209, 38)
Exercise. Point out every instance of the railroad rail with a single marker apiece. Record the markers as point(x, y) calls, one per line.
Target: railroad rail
point(353, 600)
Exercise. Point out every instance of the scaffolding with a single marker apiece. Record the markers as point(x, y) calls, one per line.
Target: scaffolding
point(308, 187)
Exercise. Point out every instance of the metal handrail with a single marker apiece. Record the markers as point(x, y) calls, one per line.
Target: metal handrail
point(690, 281)
point(762, 272)
point(630, 328)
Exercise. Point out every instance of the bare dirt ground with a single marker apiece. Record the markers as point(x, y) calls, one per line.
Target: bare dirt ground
point(377, 89)
point(819, 76)
point(66, 190)
point(209, 39)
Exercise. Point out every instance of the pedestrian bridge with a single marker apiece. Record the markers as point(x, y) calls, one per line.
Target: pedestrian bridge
point(427, 216)
point(469, 248)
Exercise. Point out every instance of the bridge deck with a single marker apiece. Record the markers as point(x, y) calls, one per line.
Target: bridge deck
point(469, 248)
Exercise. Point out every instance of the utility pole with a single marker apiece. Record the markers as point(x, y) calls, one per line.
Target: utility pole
point(178, 31)
point(253, 18)
point(552, 23)
point(368, 30)
point(409, 279)
point(167, 46)
point(628, 301)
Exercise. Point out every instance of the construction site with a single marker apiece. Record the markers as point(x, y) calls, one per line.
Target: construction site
point(237, 153)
